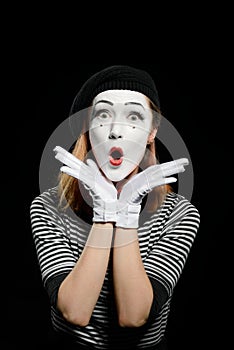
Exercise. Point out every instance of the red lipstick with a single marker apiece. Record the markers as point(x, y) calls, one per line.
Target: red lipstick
point(116, 156)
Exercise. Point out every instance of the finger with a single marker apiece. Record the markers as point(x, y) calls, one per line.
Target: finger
point(92, 165)
point(163, 181)
point(69, 162)
point(171, 171)
point(67, 158)
point(175, 163)
point(82, 176)
point(59, 151)
point(159, 172)
point(182, 161)
point(69, 171)
point(93, 168)
point(96, 171)
point(167, 169)
point(169, 180)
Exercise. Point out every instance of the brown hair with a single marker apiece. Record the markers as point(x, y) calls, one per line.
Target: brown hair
point(69, 187)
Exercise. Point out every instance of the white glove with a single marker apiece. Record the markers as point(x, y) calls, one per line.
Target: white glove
point(129, 203)
point(102, 191)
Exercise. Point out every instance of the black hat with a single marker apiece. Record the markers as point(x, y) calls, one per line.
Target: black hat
point(118, 77)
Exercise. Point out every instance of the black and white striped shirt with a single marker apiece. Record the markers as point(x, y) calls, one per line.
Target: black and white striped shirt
point(165, 239)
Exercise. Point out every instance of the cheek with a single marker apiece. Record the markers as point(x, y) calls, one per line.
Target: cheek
point(98, 134)
point(138, 135)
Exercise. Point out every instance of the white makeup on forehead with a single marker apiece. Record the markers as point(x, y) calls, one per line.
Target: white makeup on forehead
point(122, 96)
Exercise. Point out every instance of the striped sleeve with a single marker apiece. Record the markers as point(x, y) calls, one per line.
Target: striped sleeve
point(167, 258)
point(52, 245)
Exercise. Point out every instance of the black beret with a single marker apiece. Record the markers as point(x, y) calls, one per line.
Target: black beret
point(117, 77)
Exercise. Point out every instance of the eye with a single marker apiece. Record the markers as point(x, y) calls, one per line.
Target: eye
point(135, 116)
point(104, 115)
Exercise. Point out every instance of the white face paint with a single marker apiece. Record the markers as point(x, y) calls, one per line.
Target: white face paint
point(119, 128)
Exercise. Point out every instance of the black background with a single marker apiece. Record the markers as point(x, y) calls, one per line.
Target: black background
point(42, 90)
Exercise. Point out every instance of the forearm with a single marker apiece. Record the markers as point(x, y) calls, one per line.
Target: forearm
point(134, 294)
point(78, 293)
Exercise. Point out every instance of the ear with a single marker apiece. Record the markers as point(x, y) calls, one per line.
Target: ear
point(152, 135)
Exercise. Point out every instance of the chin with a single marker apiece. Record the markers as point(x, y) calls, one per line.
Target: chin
point(118, 174)
point(115, 177)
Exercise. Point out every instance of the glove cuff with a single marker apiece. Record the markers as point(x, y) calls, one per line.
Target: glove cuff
point(106, 213)
point(129, 217)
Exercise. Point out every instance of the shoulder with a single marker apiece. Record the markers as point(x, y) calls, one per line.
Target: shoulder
point(178, 206)
point(47, 199)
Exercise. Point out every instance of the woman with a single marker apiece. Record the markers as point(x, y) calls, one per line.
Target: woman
point(112, 238)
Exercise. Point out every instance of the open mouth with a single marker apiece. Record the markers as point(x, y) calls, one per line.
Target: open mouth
point(116, 156)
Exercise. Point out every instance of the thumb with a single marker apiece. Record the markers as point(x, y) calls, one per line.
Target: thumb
point(92, 165)
point(169, 180)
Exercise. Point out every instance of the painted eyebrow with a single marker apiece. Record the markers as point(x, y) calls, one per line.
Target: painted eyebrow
point(127, 103)
point(134, 103)
point(104, 101)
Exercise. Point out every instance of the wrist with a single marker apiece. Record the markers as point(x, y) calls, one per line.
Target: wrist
point(128, 216)
point(103, 225)
point(100, 235)
point(124, 236)
point(105, 213)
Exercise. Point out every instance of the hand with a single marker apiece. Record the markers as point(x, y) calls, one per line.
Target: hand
point(129, 203)
point(102, 191)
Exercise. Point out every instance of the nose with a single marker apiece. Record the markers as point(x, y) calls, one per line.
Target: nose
point(114, 136)
point(115, 132)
